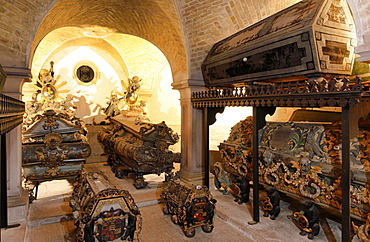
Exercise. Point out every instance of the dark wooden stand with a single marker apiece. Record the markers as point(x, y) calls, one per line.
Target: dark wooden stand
point(11, 115)
point(264, 99)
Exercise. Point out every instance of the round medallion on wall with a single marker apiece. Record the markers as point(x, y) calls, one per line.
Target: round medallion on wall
point(85, 74)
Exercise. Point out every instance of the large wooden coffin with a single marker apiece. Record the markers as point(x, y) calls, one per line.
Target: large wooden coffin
point(139, 148)
point(54, 146)
point(103, 213)
point(310, 38)
point(302, 159)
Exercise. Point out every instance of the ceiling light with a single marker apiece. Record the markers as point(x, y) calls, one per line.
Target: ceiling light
point(96, 32)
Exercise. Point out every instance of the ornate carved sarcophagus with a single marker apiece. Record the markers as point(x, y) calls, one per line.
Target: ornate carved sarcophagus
point(310, 38)
point(103, 213)
point(299, 158)
point(54, 146)
point(189, 206)
point(140, 148)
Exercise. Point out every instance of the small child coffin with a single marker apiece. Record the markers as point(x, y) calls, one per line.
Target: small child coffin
point(190, 206)
point(102, 212)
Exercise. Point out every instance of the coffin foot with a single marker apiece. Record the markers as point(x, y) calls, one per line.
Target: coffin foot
point(140, 183)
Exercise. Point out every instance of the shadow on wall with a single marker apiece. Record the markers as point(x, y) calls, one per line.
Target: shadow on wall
point(164, 104)
point(93, 99)
point(89, 112)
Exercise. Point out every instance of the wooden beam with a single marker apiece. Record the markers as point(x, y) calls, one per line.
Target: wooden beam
point(3, 185)
point(259, 121)
point(346, 171)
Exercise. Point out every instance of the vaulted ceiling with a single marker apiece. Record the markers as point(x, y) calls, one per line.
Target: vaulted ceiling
point(113, 27)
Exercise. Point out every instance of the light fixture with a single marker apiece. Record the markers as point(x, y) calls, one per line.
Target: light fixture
point(96, 32)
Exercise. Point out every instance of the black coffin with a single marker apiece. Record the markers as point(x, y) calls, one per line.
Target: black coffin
point(310, 38)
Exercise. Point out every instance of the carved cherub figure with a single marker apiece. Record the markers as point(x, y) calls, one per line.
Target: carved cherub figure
point(112, 109)
point(68, 106)
point(32, 107)
point(131, 95)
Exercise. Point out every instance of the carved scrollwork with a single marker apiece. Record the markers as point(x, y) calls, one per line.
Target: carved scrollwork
point(303, 159)
point(243, 169)
point(362, 231)
point(284, 94)
point(271, 178)
point(50, 122)
point(300, 221)
point(266, 204)
point(54, 154)
point(161, 129)
point(306, 188)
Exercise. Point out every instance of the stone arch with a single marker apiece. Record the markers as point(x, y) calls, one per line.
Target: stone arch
point(137, 18)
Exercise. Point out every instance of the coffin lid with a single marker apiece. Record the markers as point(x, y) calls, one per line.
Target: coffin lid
point(332, 17)
point(147, 131)
point(40, 127)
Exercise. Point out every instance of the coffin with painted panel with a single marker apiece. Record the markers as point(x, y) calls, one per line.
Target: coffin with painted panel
point(54, 146)
point(102, 212)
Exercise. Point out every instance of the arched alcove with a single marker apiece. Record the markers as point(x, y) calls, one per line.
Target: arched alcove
point(114, 58)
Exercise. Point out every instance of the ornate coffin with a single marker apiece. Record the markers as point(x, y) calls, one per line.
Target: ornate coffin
point(54, 146)
point(103, 213)
point(310, 38)
point(189, 206)
point(139, 147)
point(299, 158)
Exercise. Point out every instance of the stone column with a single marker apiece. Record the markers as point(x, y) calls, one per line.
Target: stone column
point(17, 197)
point(191, 169)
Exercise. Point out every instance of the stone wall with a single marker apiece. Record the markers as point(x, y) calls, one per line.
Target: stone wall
point(18, 22)
point(203, 23)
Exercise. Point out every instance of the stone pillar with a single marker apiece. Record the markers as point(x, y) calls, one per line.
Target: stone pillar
point(191, 169)
point(17, 197)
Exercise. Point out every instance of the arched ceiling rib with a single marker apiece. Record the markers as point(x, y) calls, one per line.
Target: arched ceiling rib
point(63, 38)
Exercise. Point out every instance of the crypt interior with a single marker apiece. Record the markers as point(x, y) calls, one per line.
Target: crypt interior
point(94, 50)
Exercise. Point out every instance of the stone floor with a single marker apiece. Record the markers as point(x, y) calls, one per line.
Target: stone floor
point(49, 218)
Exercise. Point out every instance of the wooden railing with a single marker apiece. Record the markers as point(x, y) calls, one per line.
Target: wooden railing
point(11, 113)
